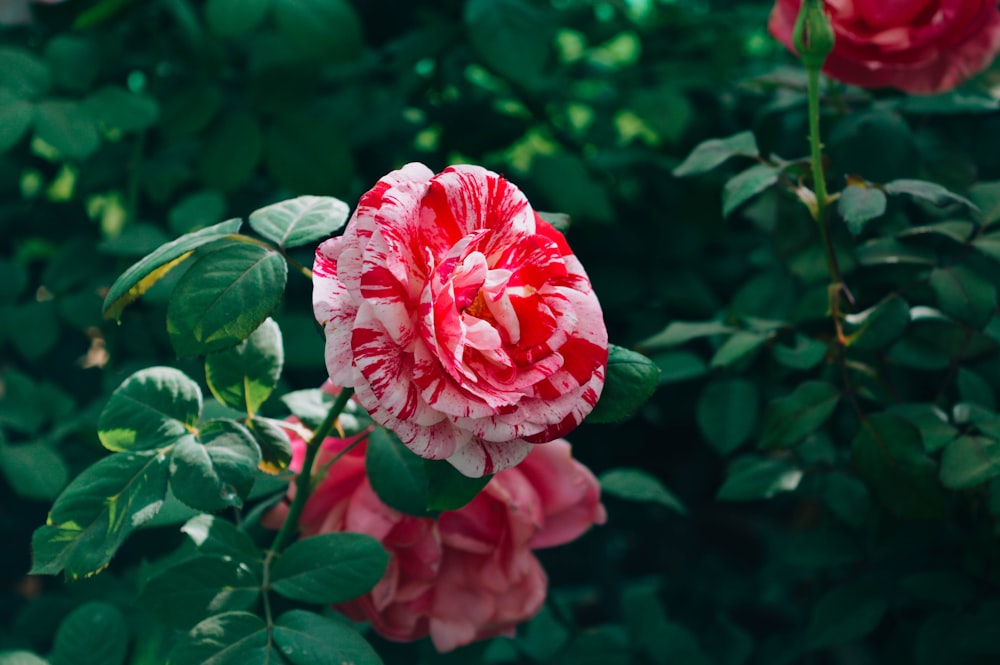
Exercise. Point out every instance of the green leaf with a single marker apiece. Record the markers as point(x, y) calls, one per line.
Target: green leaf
point(224, 297)
point(964, 295)
point(21, 658)
point(846, 614)
point(790, 419)
point(153, 408)
point(740, 346)
point(847, 498)
point(397, 475)
point(309, 405)
point(216, 536)
point(306, 153)
point(16, 116)
point(879, 325)
point(183, 595)
point(217, 471)
point(231, 151)
point(598, 646)
point(329, 568)
point(511, 36)
point(975, 389)
point(939, 587)
point(231, 638)
point(244, 376)
point(888, 454)
point(926, 191)
point(118, 108)
point(930, 421)
point(96, 512)
point(198, 210)
point(859, 204)
point(275, 446)
point(93, 634)
point(727, 412)
point(709, 154)
point(805, 354)
point(889, 251)
point(67, 126)
point(231, 18)
point(300, 221)
point(969, 461)
point(328, 29)
point(637, 485)
point(751, 478)
point(140, 276)
point(677, 366)
point(449, 489)
point(305, 638)
point(33, 470)
point(22, 74)
point(746, 185)
point(74, 61)
point(986, 197)
point(958, 231)
point(681, 332)
point(631, 379)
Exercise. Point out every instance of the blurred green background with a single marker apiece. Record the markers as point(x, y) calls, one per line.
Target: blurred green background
point(125, 123)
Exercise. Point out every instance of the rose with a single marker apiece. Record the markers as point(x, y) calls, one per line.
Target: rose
point(919, 46)
point(461, 318)
point(470, 574)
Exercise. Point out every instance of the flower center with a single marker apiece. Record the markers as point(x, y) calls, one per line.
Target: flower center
point(479, 309)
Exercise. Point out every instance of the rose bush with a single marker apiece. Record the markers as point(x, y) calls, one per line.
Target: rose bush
point(919, 46)
point(470, 574)
point(462, 319)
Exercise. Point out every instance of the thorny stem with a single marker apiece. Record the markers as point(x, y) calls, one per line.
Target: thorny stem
point(303, 484)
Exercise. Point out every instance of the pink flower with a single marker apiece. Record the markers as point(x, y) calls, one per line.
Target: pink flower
point(470, 574)
point(462, 319)
point(920, 46)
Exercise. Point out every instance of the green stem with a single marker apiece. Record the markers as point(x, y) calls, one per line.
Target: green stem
point(819, 187)
point(303, 484)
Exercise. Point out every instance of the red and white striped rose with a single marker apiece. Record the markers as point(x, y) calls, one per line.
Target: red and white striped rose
point(462, 319)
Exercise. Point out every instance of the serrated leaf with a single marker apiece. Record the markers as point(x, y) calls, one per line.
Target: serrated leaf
point(153, 408)
point(224, 297)
point(637, 485)
point(752, 478)
point(878, 325)
point(744, 186)
point(680, 332)
point(726, 413)
point(789, 419)
point(926, 191)
point(231, 638)
point(449, 489)
point(858, 205)
point(143, 274)
point(301, 220)
point(329, 568)
point(244, 376)
point(713, 152)
point(964, 295)
point(397, 475)
point(96, 512)
point(306, 638)
point(93, 634)
point(846, 614)
point(183, 595)
point(217, 471)
point(216, 536)
point(890, 457)
point(630, 380)
point(275, 446)
point(969, 461)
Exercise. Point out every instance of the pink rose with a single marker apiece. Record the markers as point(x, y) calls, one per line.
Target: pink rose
point(470, 574)
point(920, 46)
point(461, 318)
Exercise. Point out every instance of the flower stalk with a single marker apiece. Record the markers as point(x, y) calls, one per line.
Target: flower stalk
point(303, 484)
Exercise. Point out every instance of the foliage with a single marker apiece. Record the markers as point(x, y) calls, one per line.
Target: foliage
point(815, 479)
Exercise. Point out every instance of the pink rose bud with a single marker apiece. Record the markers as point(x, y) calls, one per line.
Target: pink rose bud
point(919, 46)
point(462, 320)
point(470, 574)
